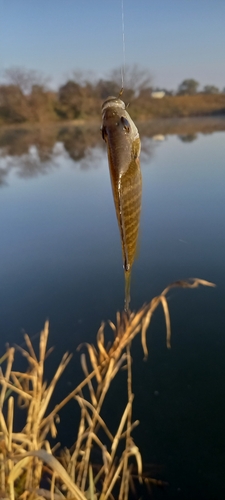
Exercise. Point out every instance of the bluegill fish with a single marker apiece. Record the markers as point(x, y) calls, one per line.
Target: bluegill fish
point(124, 146)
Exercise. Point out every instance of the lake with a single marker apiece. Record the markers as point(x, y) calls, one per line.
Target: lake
point(60, 258)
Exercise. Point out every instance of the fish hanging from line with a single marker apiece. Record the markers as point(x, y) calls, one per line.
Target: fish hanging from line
point(124, 146)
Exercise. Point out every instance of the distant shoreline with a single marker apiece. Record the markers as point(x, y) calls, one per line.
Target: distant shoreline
point(183, 125)
point(141, 109)
point(149, 127)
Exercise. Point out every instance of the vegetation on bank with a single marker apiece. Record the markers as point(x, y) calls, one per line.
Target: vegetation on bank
point(30, 467)
point(179, 106)
point(26, 98)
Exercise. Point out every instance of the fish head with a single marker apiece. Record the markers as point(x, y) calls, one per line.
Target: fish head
point(120, 134)
point(112, 111)
point(116, 121)
point(112, 102)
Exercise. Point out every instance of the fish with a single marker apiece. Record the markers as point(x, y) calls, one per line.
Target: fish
point(124, 146)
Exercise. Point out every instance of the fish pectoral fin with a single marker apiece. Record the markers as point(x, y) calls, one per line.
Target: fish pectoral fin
point(125, 123)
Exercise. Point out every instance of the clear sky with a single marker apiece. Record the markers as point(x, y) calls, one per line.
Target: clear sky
point(174, 39)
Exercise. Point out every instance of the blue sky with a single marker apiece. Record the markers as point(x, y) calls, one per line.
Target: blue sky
point(174, 39)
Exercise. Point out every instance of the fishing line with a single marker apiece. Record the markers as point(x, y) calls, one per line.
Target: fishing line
point(123, 45)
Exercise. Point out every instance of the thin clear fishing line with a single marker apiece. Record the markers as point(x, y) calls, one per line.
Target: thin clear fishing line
point(123, 45)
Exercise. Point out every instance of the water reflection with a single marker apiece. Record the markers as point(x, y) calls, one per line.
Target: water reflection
point(16, 142)
point(188, 137)
point(61, 259)
point(33, 151)
point(77, 140)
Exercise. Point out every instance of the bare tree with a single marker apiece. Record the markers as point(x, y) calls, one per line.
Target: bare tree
point(106, 88)
point(83, 77)
point(136, 79)
point(24, 78)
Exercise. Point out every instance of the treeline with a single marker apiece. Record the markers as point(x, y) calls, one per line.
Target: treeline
point(25, 97)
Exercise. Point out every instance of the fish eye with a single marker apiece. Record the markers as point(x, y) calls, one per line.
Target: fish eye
point(125, 123)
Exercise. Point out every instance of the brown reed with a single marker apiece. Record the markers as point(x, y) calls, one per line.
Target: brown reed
point(23, 454)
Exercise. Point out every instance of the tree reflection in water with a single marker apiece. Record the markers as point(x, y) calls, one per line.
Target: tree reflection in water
point(34, 150)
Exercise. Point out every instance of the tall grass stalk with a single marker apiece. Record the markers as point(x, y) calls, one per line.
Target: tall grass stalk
point(26, 455)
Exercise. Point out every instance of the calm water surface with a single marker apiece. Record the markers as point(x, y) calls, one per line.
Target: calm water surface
point(60, 258)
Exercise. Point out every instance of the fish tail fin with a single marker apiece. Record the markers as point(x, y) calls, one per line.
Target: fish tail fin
point(127, 276)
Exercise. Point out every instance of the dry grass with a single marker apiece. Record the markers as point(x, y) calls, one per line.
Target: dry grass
point(23, 454)
point(179, 106)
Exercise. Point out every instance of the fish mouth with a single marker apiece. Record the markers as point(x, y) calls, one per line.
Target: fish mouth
point(112, 101)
